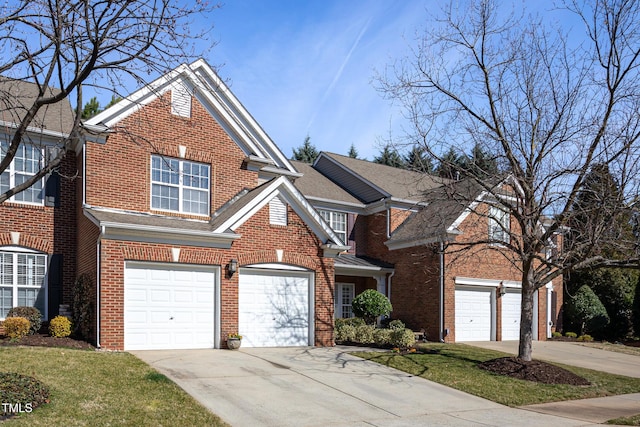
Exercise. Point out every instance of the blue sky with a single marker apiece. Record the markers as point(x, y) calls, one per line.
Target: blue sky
point(306, 68)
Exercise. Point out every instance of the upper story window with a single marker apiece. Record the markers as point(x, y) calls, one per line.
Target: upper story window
point(179, 186)
point(499, 225)
point(22, 281)
point(337, 221)
point(26, 163)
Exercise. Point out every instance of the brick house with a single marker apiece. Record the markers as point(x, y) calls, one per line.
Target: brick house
point(191, 224)
point(402, 228)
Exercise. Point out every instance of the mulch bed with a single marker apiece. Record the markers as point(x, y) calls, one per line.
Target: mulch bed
point(534, 370)
point(44, 340)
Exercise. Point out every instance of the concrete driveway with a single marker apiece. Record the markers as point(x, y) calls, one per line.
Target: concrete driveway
point(325, 386)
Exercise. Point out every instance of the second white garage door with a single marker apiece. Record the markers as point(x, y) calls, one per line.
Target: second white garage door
point(168, 306)
point(474, 314)
point(511, 302)
point(274, 307)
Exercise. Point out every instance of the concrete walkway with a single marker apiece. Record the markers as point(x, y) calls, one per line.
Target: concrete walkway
point(327, 386)
point(597, 410)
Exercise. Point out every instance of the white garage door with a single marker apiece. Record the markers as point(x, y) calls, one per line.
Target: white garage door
point(168, 306)
point(274, 308)
point(511, 302)
point(473, 314)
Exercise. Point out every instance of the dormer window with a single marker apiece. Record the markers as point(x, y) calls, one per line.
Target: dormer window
point(179, 185)
point(26, 163)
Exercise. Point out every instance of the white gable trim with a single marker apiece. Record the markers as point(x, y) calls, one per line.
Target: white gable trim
point(209, 89)
point(284, 189)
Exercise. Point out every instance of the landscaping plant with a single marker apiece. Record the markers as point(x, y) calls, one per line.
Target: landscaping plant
point(16, 327)
point(32, 314)
point(60, 327)
point(370, 304)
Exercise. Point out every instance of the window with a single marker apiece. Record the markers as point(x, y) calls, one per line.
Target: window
point(344, 297)
point(338, 223)
point(26, 163)
point(22, 281)
point(277, 211)
point(179, 186)
point(499, 225)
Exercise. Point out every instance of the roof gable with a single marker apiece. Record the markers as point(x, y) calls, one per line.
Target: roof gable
point(200, 80)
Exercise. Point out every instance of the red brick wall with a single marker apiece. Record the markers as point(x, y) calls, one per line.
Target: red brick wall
point(258, 245)
point(47, 229)
point(119, 171)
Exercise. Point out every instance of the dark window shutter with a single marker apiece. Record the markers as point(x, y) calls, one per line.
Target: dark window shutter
point(52, 190)
point(54, 285)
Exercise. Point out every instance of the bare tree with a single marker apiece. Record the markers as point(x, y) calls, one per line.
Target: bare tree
point(551, 105)
point(59, 46)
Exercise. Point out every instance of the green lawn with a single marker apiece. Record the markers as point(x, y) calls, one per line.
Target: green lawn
point(454, 365)
point(102, 389)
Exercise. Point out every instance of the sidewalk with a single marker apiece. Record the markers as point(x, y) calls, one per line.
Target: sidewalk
point(597, 410)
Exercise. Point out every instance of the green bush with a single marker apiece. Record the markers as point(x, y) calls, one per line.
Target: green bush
point(27, 391)
point(60, 327)
point(16, 327)
point(32, 314)
point(353, 321)
point(570, 334)
point(364, 334)
point(396, 324)
point(556, 334)
point(586, 308)
point(83, 303)
point(345, 333)
point(370, 304)
point(585, 338)
point(382, 337)
point(402, 338)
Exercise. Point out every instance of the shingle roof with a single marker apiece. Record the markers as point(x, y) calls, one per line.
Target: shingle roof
point(399, 183)
point(144, 219)
point(315, 185)
point(16, 97)
point(350, 260)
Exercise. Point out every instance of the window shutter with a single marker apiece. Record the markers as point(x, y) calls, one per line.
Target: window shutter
point(180, 101)
point(54, 285)
point(52, 190)
point(277, 211)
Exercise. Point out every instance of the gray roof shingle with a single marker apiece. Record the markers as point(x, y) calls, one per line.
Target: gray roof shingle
point(315, 185)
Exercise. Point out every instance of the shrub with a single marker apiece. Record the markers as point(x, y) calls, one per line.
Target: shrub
point(83, 306)
point(585, 338)
point(382, 337)
point(396, 324)
point(353, 321)
point(570, 334)
point(16, 388)
point(586, 308)
point(16, 327)
point(556, 334)
point(364, 334)
point(60, 327)
point(32, 314)
point(402, 338)
point(345, 333)
point(370, 304)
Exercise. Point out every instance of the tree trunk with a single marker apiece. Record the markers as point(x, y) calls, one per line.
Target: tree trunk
point(526, 316)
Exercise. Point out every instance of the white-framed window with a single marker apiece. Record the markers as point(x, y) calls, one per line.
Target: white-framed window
point(179, 185)
point(22, 281)
point(26, 163)
point(344, 297)
point(499, 225)
point(337, 221)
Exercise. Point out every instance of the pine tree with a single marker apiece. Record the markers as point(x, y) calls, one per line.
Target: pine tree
point(389, 157)
point(90, 109)
point(306, 152)
point(418, 160)
point(353, 153)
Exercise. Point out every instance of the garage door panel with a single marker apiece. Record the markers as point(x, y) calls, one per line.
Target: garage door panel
point(169, 306)
point(274, 308)
point(511, 303)
point(473, 318)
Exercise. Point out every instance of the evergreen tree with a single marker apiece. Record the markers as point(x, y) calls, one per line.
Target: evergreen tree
point(451, 165)
point(389, 157)
point(353, 153)
point(91, 108)
point(479, 164)
point(306, 152)
point(114, 100)
point(418, 160)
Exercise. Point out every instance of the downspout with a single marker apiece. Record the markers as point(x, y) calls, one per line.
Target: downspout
point(388, 222)
point(84, 173)
point(389, 285)
point(98, 252)
point(441, 291)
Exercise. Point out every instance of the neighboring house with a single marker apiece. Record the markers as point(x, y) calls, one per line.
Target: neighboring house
point(401, 226)
point(186, 222)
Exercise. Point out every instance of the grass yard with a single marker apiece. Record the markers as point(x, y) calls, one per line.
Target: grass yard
point(454, 365)
point(101, 389)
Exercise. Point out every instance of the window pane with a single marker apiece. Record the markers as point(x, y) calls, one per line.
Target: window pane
point(6, 301)
point(33, 194)
point(195, 201)
point(6, 269)
point(164, 197)
point(31, 269)
point(179, 185)
point(31, 297)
